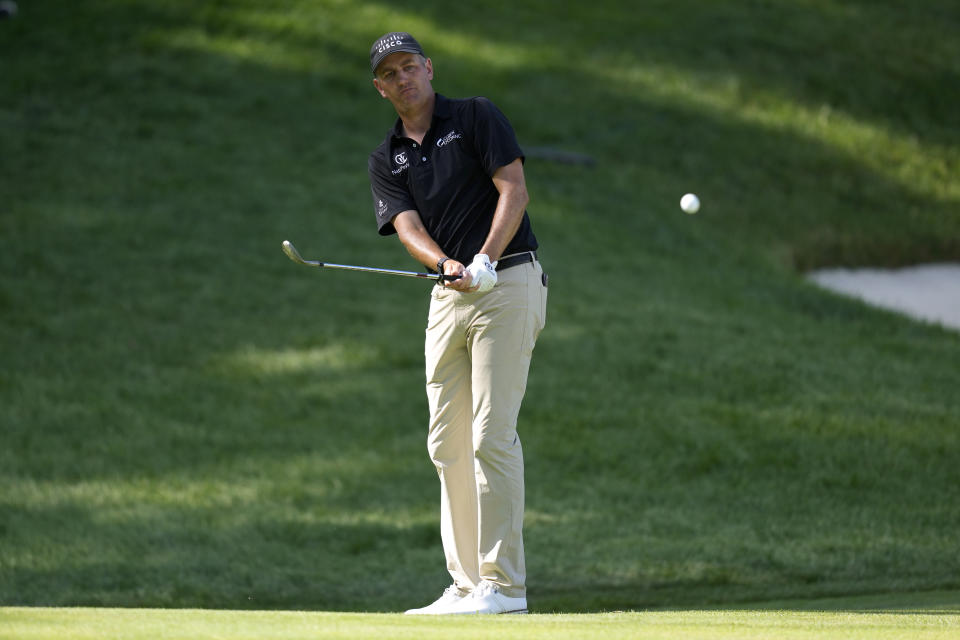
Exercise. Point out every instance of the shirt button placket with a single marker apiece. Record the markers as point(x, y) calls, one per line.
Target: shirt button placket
point(417, 147)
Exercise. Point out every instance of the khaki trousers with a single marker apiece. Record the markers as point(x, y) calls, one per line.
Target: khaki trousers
point(478, 349)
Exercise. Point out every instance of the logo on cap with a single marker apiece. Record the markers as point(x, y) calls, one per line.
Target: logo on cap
point(392, 43)
point(393, 40)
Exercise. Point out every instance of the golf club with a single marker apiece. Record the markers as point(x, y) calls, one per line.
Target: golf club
point(294, 255)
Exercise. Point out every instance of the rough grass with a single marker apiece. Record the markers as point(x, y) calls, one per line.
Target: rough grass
point(190, 420)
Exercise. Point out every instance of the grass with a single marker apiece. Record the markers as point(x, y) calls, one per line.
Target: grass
point(189, 420)
point(929, 615)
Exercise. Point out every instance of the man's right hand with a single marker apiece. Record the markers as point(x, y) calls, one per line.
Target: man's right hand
point(453, 268)
point(423, 248)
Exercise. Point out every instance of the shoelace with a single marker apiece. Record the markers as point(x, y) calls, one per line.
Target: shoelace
point(484, 589)
point(452, 590)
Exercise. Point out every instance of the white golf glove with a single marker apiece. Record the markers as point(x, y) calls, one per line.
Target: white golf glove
point(482, 272)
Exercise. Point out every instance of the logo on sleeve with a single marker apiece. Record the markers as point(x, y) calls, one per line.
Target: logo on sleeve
point(381, 208)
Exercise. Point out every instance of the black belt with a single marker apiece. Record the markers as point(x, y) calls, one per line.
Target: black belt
point(514, 260)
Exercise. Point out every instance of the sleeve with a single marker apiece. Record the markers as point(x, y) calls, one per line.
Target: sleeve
point(493, 137)
point(390, 194)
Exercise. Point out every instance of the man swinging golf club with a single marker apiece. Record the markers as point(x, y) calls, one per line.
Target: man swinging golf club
point(448, 180)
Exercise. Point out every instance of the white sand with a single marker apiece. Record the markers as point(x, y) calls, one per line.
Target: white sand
point(926, 292)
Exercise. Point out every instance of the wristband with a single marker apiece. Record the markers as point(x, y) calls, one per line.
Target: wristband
point(440, 268)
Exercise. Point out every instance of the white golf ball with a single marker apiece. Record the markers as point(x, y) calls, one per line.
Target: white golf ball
point(690, 203)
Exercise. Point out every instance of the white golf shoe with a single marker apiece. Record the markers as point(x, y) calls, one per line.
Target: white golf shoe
point(451, 596)
point(486, 599)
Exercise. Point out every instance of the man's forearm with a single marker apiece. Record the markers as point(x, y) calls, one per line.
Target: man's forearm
point(415, 238)
point(510, 182)
point(425, 249)
point(506, 221)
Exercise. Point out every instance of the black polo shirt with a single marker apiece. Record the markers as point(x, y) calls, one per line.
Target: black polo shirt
point(447, 179)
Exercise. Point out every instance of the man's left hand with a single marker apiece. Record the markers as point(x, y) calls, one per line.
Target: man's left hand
point(483, 273)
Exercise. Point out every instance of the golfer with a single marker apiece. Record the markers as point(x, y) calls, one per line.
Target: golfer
point(448, 180)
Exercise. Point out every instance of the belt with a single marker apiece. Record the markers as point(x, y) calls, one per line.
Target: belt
point(515, 259)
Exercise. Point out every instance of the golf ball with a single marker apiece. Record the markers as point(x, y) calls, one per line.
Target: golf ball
point(690, 203)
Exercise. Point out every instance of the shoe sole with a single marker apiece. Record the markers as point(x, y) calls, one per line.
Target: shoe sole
point(486, 613)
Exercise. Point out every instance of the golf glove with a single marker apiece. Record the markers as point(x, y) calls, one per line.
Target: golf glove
point(484, 273)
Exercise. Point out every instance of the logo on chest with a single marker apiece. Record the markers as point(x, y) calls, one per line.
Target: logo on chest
point(401, 161)
point(447, 139)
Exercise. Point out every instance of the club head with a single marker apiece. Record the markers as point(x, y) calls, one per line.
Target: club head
point(294, 255)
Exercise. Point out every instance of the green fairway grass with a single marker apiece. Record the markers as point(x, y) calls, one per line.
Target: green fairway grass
point(190, 420)
point(927, 616)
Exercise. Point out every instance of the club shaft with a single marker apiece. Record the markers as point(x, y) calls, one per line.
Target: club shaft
point(389, 272)
point(294, 255)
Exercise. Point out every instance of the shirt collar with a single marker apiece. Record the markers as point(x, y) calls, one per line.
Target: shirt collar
point(441, 110)
point(441, 107)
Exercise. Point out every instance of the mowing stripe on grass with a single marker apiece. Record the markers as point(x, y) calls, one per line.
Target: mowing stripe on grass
point(160, 624)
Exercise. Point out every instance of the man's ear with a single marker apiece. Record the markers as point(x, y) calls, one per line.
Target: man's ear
point(376, 84)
